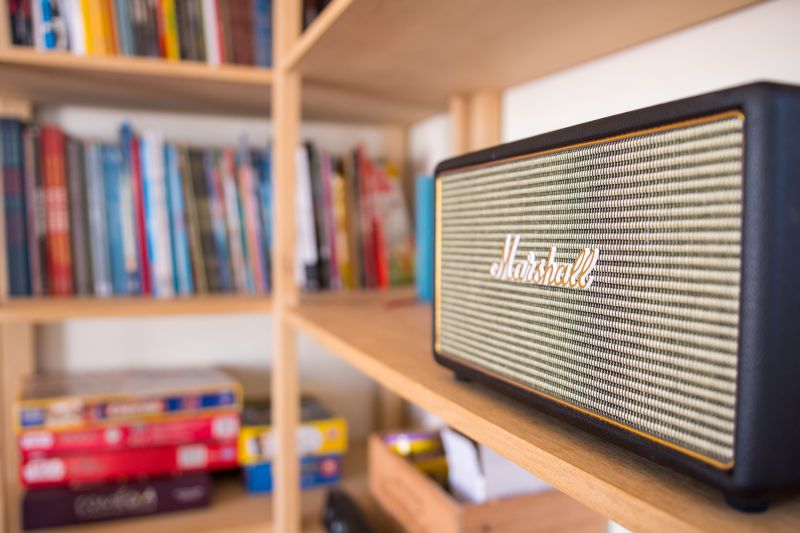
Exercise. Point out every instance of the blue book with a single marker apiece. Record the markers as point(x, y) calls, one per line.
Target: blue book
point(265, 205)
point(98, 227)
point(262, 32)
point(219, 230)
point(425, 204)
point(128, 210)
point(315, 471)
point(124, 27)
point(111, 163)
point(14, 202)
point(157, 225)
point(181, 260)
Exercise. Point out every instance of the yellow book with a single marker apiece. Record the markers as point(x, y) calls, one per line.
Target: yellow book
point(92, 23)
point(108, 28)
point(170, 25)
point(319, 432)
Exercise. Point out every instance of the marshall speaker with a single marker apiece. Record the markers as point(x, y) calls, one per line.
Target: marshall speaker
point(639, 276)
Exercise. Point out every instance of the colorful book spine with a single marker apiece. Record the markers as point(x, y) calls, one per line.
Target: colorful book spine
point(109, 26)
point(50, 27)
point(329, 225)
point(313, 437)
point(179, 241)
point(145, 283)
point(217, 213)
point(170, 29)
point(98, 221)
point(21, 23)
point(159, 253)
point(314, 472)
point(78, 207)
point(80, 505)
point(425, 211)
point(111, 162)
point(262, 32)
point(14, 203)
point(128, 198)
point(34, 204)
point(57, 414)
point(59, 256)
point(111, 465)
point(220, 427)
point(199, 280)
point(230, 200)
point(265, 210)
point(248, 194)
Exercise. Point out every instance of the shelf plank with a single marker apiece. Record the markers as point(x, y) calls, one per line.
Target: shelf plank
point(43, 310)
point(136, 82)
point(388, 337)
point(420, 53)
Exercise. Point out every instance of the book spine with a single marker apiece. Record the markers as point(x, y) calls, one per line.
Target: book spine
point(321, 236)
point(193, 224)
point(248, 192)
point(221, 427)
point(230, 201)
point(50, 26)
point(182, 21)
point(122, 8)
point(262, 32)
point(197, 28)
point(211, 32)
point(145, 283)
point(77, 208)
point(198, 161)
point(131, 463)
point(159, 254)
point(306, 257)
point(170, 25)
point(80, 505)
point(265, 212)
point(326, 171)
point(33, 209)
point(151, 37)
point(19, 12)
point(111, 164)
point(59, 257)
point(367, 218)
point(315, 471)
point(98, 220)
point(128, 198)
point(109, 30)
point(15, 212)
point(182, 266)
point(53, 414)
point(76, 30)
point(217, 211)
point(226, 30)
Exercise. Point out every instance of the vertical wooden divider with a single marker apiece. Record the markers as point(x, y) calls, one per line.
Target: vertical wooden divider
point(5, 29)
point(459, 123)
point(475, 120)
point(286, 116)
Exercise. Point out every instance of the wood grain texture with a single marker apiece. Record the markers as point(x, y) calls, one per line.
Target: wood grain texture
point(418, 51)
point(47, 310)
point(388, 339)
point(5, 30)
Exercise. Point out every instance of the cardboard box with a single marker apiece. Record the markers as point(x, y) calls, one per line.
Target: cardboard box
point(421, 505)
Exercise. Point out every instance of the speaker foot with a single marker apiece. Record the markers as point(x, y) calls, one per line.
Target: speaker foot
point(747, 505)
point(461, 378)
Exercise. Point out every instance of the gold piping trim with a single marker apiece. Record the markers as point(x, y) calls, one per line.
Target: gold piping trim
point(437, 296)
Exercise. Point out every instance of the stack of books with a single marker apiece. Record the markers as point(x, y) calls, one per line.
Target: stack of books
point(321, 441)
point(140, 216)
point(353, 222)
point(214, 31)
point(117, 444)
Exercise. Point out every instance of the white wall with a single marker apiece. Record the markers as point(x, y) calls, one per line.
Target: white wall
point(241, 343)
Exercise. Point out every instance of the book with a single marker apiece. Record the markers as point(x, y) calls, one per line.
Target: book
point(49, 25)
point(216, 210)
point(111, 162)
point(59, 255)
point(315, 471)
point(73, 401)
point(169, 24)
point(131, 145)
point(179, 239)
point(111, 465)
point(262, 32)
point(221, 427)
point(17, 257)
point(328, 225)
point(306, 251)
point(79, 505)
point(98, 221)
point(78, 217)
point(251, 220)
point(21, 22)
point(396, 245)
point(75, 25)
point(211, 32)
point(199, 281)
point(34, 205)
point(125, 33)
point(319, 432)
point(264, 201)
point(159, 252)
point(128, 200)
point(425, 219)
point(230, 203)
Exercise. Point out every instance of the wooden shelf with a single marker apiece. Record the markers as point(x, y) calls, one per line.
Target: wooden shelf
point(136, 82)
point(388, 337)
point(42, 310)
point(421, 53)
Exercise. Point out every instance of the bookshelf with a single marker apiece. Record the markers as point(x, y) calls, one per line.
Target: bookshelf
point(389, 64)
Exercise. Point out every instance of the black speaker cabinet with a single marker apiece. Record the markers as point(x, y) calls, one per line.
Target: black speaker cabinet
point(639, 276)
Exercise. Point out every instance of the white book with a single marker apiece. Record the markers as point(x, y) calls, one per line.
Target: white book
point(76, 31)
point(211, 32)
point(159, 250)
point(306, 246)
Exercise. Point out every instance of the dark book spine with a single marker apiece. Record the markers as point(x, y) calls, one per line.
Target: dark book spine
point(14, 202)
point(66, 506)
point(184, 29)
point(262, 32)
point(33, 209)
point(76, 167)
point(205, 226)
point(197, 30)
point(20, 22)
point(138, 16)
point(226, 24)
point(152, 41)
point(193, 224)
point(218, 225)
point(314, 162)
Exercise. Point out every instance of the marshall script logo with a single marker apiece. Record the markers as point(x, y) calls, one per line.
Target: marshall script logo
point(575, 275)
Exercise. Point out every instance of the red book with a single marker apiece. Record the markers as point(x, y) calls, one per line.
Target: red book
point(366, 199)
point(54, 177)
point(141, 230)
point(132, 463)
point(161, 29)
point(46, 443)
point(221, 32)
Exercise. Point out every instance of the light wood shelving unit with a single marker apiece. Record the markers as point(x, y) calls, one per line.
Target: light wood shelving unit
point(389, 64)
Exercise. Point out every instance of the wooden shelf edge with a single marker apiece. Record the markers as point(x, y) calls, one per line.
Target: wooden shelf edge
point(44, 310)
point(150, 66)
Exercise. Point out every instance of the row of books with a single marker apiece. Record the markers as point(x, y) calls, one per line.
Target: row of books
point(137, 217)
point(353, 224)
point(97, 446)
point(214, 31)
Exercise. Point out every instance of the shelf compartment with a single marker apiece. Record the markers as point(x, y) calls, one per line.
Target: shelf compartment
point(388, 337)
point(43, 310)
point(420, 52)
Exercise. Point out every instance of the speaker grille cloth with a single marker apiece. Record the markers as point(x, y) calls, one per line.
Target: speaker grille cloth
point(652, 343)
